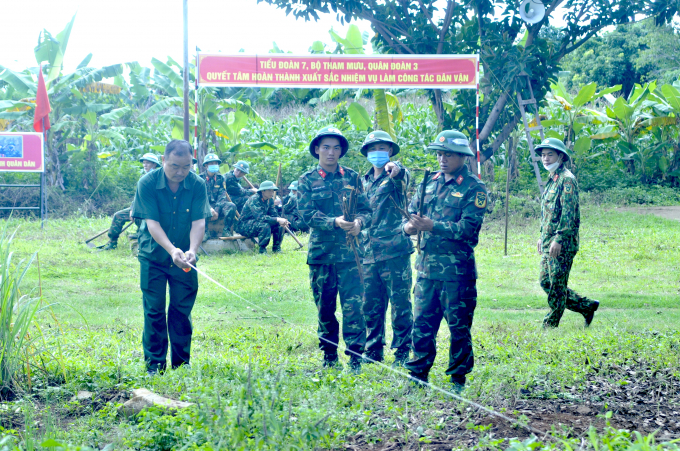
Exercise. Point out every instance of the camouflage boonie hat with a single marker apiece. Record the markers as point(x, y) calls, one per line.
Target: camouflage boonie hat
point(210, 158)
point(329, 132)
point(267, 185)
point(379, 136)
point(293, 186)
point(553, 144)
point(451, 141)
point(150, 157)
point(243, 166)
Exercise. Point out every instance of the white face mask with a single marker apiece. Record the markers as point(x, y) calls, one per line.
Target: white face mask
point(552, 167)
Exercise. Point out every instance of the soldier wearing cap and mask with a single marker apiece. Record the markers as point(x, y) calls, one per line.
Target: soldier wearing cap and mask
point(232, 182)
point(386, 263)
point(454, 207)
point(260, 220)
point(219, 206)
point(290, 209)
point(333, 267)
point(120, 218)
point(560, 221)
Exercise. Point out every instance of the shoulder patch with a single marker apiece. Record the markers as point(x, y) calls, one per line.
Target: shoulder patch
point(480, 199)
point(568, 187)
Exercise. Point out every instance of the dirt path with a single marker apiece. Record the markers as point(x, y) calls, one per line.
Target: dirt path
point(662, 212)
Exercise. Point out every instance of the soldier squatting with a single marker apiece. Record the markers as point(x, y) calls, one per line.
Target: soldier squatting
point(359, 246)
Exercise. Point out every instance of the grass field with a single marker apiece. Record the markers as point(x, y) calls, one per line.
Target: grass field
point(258, 384)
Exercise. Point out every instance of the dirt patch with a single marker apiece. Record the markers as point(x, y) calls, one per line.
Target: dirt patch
point(662, 212)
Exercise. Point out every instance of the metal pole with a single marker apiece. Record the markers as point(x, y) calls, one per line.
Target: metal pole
point(479, 164)
point(196, 114)
point(186, 70)
point(43, 197)
point(508, 154)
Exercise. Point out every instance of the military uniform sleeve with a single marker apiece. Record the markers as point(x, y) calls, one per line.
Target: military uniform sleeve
point(364, 210)
point(472, 215)
point(145, 204)
point(200, 207)
point(569, 199)
point(290, 206)
point(413, 205)
point(308, 211)
point(270, 215)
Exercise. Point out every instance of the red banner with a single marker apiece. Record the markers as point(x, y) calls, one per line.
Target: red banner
point(338, 71)
point(21, 152)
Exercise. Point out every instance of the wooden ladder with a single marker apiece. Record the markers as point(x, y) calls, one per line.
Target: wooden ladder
point(527, 129)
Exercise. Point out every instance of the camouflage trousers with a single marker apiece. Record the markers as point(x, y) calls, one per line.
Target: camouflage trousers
point(388, 281)
point(262, 231)
point(120, 218)
point(553, 278)
point(327, 282)
point(454, 301)
point(226, 210)
point(239, 202)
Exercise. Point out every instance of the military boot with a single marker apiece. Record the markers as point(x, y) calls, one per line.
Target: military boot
point(355, 364)
point(589, 316)
point(419, 378)
point(401, 357)
point(111, 245)
point(457, 384)
point(373, 356)
point(263, 250)
point(330, 360)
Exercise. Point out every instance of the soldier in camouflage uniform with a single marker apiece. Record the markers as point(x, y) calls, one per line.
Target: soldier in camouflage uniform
point(120, 218)
point(454, 207)
point(333, 266)
point(219, 206)
point(232, 182)
point(560, 220)
point(290, 209)
point(260, 220)
point(386, 264)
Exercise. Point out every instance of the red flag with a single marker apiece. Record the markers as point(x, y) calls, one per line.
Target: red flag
point(42, 106)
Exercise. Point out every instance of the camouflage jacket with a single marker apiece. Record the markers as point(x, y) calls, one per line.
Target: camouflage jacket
point(233, 186)
point(560, 216)
point(385, 239)
point(457, 208)
point(257, 209)
point(216, 192)
point(290, 204)
point(320, 203)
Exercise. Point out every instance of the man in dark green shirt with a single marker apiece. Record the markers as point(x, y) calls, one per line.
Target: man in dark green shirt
point(173, 203)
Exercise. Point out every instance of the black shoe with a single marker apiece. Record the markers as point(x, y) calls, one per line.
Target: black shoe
point(401, 357)
point(589, 316)
point(111, 245)
point(457, 384)
point(355, 364)
point(276, 249)
point(263, 250)
point(330, 360)
point(373, 356)
point(419, 378)
point(154, 370)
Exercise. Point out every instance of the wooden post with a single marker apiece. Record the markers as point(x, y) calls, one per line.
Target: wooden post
point(185, 72)
point(508, 162)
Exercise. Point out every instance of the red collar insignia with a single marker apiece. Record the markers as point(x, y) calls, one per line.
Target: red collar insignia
point(555, 177)
point(459, 180)
point(342, 171)
point(322, 173)
point(436, 176)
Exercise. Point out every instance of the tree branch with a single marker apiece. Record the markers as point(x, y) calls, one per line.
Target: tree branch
point(429, 17)
point(445, 27)
point(493, 116)
point(502, 136)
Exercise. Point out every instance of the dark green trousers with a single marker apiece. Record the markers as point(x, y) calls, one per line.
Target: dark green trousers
point(454, 301)
point(388, 281)
point(176, 324)
point(327, 282)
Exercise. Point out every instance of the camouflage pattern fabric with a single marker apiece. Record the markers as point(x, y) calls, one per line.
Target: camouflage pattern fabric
point(457, 208)
point(454, 301)
point(560, 214)
point(238, 194)
point(554, 277)
point(258, 220)
point(320, 203)
point(120, 218)
point(291, 213)
point(218, 201)
point(327, 281)
point(560, 222)
point(384, 238)
point(388, 281)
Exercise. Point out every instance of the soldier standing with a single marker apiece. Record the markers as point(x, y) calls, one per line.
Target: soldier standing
point(219, 206)
point(232, 182)
point(560, 221)
point(454, 207)
point(260, 219)
point(333, 264)
point(120, 218)
point(386, 264)
point(290, 209)
point(173, 204)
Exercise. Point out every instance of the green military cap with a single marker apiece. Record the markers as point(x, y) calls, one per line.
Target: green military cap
point(451, 141)
point(150, 157)
point(379, 136)
point(243, 166)
point(210, 158)
point(267, 185)
point(553, 144)
point(329, 131)
point(293, 186)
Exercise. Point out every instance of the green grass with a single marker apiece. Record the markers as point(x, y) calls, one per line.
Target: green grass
point(258, 383)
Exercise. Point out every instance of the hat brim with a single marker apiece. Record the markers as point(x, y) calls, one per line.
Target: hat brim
point(455, 149)
point(142, 160)
point(537, 150)
point(315, 142)
point(395, 146)
point(211, 161)
point(245, 171)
